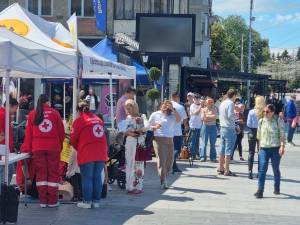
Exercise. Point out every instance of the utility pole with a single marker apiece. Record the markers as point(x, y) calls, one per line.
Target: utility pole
point(242, 54)
point(250, 37)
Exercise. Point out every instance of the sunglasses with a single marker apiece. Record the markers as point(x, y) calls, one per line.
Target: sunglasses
point(266, 111)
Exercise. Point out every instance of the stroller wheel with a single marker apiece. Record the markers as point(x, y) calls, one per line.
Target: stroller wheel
point(121, 183)
point(111, 180)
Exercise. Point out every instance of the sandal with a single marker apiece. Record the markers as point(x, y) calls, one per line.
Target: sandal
point(230, 174)
point(220, 172)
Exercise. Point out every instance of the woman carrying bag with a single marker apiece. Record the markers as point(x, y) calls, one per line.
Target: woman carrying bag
point(133, 128)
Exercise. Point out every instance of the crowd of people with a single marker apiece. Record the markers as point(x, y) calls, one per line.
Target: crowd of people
point(195, 123)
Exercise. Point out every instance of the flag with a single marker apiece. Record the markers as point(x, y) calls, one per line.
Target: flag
point(72, 24)
point(100, 14)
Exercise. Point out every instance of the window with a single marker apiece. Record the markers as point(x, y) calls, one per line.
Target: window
point(82, 8)
point(127, 9)
point(40, 7)
point(3, 4)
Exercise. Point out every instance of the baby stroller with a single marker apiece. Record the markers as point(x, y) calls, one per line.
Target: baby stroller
point(116, 165)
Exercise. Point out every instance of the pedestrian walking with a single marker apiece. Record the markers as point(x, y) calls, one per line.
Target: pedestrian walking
point(254, 116)
point(290, 114)
point(195, 124)
point(209, 131)
point(89, 140)
point(178, 139)
point(163, 123)
point(271, 136)
point(133, 129)
point(44, 138)
point(228, 133)
point(240, 123)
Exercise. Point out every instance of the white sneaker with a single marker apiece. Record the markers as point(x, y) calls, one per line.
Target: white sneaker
point(54, 205)
point(43, 205)
point(96, 205)
point(84, 205)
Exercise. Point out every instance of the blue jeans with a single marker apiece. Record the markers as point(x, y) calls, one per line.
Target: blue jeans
point(228, 139)
point(291, 132)
point(177, 141)
point(92, 181)
point(208, 132)
point(264, 155)
point(194, 140)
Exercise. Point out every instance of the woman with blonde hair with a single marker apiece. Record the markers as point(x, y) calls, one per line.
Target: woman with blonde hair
point(252, 123)
point(133, 128)
point(163, 123)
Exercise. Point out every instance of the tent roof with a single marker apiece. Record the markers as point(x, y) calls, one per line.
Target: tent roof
point(56, 36)
point(26, 58)
point(105, 48)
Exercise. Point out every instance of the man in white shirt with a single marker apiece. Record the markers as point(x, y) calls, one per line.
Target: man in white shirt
point(195, 124)
point(177, 140)
point(228, 134)
point(92, 99)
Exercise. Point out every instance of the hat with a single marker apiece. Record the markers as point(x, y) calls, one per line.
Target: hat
point(191, 94)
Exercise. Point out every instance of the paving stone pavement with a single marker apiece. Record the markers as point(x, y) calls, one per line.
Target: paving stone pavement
point(197, 196)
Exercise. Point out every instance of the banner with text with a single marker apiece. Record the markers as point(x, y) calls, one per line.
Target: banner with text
point(100, 14)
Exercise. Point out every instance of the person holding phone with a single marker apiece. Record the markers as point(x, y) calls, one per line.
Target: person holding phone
point(163, 123)
point(271, 136)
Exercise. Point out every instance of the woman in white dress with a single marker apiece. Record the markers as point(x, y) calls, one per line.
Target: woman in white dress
point(133, 128)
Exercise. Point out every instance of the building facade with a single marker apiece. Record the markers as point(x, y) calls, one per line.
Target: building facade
point(121, 18)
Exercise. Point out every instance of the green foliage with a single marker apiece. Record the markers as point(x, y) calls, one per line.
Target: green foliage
point(298, 54)
point(285, 56)
point(227, 37)
point(153, 94)
point(154, 74)
point(293, 84)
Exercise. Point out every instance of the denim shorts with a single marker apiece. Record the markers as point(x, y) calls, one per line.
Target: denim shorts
point(228, 139)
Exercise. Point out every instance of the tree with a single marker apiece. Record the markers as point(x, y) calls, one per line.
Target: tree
point(273, 57)
point(285, 56)
point(226, 44)
point(298, 54)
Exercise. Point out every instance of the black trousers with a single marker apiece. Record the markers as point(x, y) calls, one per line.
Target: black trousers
point(238, 144)
point(252, 140)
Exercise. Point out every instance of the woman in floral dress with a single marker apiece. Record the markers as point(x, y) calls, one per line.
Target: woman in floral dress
point(134, 129)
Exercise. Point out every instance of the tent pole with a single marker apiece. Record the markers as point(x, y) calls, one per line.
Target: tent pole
point(18, 98)
point(64, 102)
point(7, 125)
point(111, 103)
point(74, 98)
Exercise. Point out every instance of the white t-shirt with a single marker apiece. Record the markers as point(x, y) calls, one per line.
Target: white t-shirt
point(195, 120)
point(182, 113)
point(167, 124)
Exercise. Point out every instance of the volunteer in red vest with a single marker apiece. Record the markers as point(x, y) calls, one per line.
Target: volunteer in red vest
point(89, 139)
point(44, 137)
point(13, 103)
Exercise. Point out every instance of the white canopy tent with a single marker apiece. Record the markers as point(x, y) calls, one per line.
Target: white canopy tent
point(57, 36)
point(20, 57)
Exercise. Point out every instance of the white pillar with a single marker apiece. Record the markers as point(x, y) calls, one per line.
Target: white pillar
point(7, 125)
point(74, 98)
point(37, 90)
point(111, 103)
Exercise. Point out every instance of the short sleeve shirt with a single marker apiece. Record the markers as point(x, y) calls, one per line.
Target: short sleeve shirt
point(167, 122)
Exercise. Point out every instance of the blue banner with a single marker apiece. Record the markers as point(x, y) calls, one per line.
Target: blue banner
point(100, 14)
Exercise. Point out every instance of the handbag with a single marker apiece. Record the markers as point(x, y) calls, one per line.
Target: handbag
point(184, 154)
point(143, 153)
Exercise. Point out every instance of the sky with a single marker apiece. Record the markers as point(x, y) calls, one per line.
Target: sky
point(276, 20)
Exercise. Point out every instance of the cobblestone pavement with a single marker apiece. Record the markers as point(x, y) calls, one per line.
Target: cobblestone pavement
point(197, 196)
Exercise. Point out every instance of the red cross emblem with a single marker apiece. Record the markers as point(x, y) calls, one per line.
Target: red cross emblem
point(45, 126)
point(98, 130)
